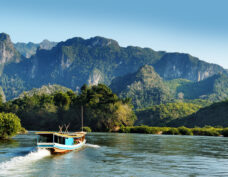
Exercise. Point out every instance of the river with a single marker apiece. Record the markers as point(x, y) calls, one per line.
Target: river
point(113, 154)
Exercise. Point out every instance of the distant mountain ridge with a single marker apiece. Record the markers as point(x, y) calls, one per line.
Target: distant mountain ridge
point(77, 61)
point(30, 48)
point(185, 66)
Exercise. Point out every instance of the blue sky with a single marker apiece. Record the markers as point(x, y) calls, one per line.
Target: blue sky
point(198, 27)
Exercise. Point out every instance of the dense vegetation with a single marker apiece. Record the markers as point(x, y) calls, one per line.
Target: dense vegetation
point(214, 115)
point(103, 110)
point(205, 131)
point(145, 87)
point(96, 60)
point(45, 89)
point(214, 88)
point(10, 125)
point(161, 115)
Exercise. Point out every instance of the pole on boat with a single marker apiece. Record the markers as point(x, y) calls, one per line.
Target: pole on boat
point(82, 116)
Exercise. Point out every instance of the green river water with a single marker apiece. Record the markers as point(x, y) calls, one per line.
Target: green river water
point(113, 154)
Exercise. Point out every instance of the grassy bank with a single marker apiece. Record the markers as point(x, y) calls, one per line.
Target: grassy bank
point(205, 131)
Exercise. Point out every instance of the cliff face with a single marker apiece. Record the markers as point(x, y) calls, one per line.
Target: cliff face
point(77, 61)
point(8, 53)
point(176, 65)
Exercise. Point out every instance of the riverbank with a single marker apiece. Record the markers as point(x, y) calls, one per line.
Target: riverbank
point(197, 131)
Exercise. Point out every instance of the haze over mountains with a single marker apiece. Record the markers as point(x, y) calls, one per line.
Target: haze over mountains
point(134, 71)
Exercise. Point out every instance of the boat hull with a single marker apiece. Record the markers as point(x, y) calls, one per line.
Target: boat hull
point(56, 148)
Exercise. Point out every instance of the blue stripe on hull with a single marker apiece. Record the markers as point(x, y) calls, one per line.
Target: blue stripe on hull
point(68, 148)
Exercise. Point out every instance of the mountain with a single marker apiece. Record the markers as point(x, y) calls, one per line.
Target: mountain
point(185, 66)
point(8, 53)
point(45, 89)
point(47, 45)
point(29, 49)
point(145, 87)
point(77, 61)
point(161, 115)
point(2, 94)
point(214, 88)
point(26, 49)
point(213, 115)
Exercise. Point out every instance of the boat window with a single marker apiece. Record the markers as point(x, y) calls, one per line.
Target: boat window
point(59, 139)
point(48, 138)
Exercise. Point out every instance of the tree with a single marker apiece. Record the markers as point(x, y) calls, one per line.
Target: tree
point(62, 100)
point(10, 125)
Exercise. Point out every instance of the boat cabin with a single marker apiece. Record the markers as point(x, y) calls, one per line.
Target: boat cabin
point(61, 138)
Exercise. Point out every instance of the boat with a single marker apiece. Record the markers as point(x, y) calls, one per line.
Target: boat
point(61, 142)
point(58, 142)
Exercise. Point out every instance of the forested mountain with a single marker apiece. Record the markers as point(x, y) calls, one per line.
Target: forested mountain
point(145, 87)
point(214, 88)
point(213, 115)
point(45, 90)
point(77, 61)
point(161, 115)
point(185, 66)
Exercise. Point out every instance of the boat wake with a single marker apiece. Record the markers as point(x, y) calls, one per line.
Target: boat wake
point(92, 145)
point(19, 163)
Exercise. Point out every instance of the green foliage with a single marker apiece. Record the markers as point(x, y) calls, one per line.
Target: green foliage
point(214, 88)
point(75, 62)
point(185, 131)
point(225, 132)
point(172, 131)
point(103, 110)
point(87, 129)
point(205, 131)
point(9, 125)
point(62, 100)
point(45, 89)
point(214, 115)
point(145, 87)
point(161, 115)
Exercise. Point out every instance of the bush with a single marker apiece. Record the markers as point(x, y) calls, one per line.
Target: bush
point(185, 131)
point(10, 125)
point(23, 131)
point(140, 129)
point(225, 132)
point(171, 131)
point(205, 132)
point(124, 129)
point(87, 129)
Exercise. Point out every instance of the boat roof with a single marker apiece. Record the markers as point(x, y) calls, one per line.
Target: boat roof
point(66, 135)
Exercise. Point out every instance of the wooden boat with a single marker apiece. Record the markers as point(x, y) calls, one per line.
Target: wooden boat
point(60, 142)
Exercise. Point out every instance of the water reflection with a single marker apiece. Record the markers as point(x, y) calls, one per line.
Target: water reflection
point(8, 143)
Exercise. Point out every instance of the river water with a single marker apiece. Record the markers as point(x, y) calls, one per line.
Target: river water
point(113, 154)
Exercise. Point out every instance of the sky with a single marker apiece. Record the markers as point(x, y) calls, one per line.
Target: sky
point(197, 27)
